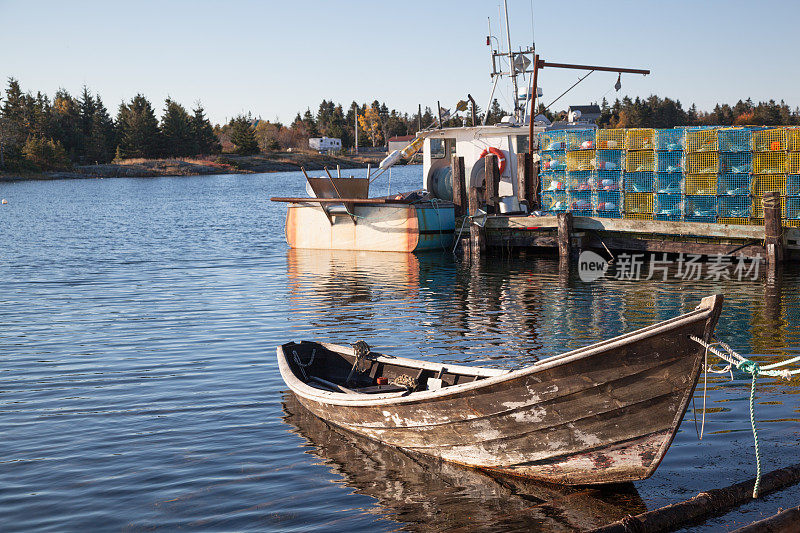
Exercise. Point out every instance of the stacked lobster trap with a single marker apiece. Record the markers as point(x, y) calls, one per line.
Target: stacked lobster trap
point(697, 174)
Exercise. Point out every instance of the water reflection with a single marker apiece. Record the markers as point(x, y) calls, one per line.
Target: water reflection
point(429, 495)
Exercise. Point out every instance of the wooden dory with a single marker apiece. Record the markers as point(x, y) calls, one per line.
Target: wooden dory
point(605, 413)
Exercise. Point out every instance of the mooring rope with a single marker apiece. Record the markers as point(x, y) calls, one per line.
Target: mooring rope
point(302, 365)
point(751, 367)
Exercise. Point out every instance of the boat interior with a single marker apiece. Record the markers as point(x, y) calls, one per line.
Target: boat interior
point(325, 367)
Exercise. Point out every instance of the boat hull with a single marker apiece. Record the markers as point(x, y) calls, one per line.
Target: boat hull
point(606, 413)
point(383, 228)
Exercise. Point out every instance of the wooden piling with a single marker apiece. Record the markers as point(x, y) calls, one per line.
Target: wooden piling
point(477, 234)
point(525, 190)
point(492, 183)
point(564, 235)
point(773, 233)
point(537, 201)
point(459, 186)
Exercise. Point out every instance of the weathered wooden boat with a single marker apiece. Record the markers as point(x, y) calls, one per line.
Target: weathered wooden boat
point(605, 413)
point(340, 217)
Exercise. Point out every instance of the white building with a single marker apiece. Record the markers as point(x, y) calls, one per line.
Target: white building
point(325, 144)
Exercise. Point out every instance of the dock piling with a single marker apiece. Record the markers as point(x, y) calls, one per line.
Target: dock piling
point(773, 234)
point(477, 234)
point(459, 186)
point(564, 236)
point(492, 181)
point(525, 181)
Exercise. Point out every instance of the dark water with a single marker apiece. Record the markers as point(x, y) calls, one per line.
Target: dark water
point(138, 388)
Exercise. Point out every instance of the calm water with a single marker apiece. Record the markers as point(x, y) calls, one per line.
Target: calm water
point(138, 388)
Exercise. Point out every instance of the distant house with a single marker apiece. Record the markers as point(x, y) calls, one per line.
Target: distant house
point(587, 113)
point(325, 144)
point(398, 143)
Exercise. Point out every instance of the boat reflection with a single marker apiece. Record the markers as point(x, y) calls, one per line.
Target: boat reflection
point(429, 495)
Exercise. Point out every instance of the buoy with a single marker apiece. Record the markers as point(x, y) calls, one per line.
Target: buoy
point(4, 202)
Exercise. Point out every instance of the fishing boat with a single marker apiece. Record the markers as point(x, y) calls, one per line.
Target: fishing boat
point(605, 413)
point(338, 215)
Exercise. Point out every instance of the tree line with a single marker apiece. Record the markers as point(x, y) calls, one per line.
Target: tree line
point(39, 133)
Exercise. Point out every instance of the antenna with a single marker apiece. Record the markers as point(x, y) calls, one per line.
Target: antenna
point(511, 61)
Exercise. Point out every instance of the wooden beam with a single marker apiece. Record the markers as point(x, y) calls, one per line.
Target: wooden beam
point(492, 182)
point(564, 235)
point(459, 186)
point(477, 235)
point(543, 64)
point(525, 180)
point(773, 235)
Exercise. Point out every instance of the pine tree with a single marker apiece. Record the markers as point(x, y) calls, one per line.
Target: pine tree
point(102, 136)
point(177, 131)
point(204, 136)
point(138, 129)
point(243, 135)
point(64, 125)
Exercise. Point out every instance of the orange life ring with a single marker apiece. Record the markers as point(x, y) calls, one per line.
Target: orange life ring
point(501, 158)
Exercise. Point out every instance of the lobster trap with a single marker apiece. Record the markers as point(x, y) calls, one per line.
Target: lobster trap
point(758, 208)
point(702, 140)
point(793, 139)
point(669, 182)
point(581, 181)
point(608, 180)
point(553, 140)
point(669, 162)
point(793, 163)
point(554, 182)
point(580, 203)
point(735, 162)
point(769, 163)
point(734, 184)
point(608, 204)
point(764, 183)
point(554, 201)
point(702, 163)
point(640, 181)
point(581, 139)
point(582, 160)
point(640, 161)
point(792, 208)
point(701, 184)
point(769, 140)
point(737, 221)
point(553, 161)
point(610, 160)
point(669, 140)
point(735, 207)
point(638, 203)
point(669, 207)
point(734, 139)
point(611, 139)
point(793, 185)
point(639, 139)
point(700, 209)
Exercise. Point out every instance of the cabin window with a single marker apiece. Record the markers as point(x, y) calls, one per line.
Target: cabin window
point(442, 148)
point(522, 144)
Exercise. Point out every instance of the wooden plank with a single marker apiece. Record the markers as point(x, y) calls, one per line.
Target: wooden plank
point(355, 201)
point(459, 186)
point(492, 182)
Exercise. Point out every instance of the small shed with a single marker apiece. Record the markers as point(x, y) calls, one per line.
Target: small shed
point(325, 144)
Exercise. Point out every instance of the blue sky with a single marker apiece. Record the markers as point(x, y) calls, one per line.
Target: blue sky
point(276, 58)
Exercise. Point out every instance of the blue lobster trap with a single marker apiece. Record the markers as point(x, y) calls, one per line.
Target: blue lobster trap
point(581, 180)
point(580, 203)
point(793, 185)
point(554, 181)
point(608, 180)
point(554, 161)
point(610, 160)
point(733, 184)
point(669, 161)
point(736, 162)
point(608, 204)
point(554, 201)
point(734, 139)
point(640, 181)
point(735, 207)
point(792, 208)
point(581, 139)
point(669, 140)
point(669, 206)
point(700, 208)
point(553, 140)
point(669, 182)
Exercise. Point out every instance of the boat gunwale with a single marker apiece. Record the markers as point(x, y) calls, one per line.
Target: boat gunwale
point(708, 307)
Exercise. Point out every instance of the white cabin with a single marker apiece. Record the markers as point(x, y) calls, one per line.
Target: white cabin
point(325, 144)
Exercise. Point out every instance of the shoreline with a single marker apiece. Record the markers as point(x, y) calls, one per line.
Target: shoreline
point(204, 165)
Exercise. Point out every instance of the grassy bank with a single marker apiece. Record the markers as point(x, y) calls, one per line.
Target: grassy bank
point(194, 166)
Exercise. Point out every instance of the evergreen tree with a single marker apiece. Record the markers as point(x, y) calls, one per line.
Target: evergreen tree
point(65, 125)
point(102, 138)
point(139, 135)
point(204, 136)
point(177, 131)
point(243, 135)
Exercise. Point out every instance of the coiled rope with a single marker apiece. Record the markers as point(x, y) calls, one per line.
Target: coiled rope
point(751, 367)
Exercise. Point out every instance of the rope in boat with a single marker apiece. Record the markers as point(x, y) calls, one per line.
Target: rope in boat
point(302, 365)
point(360, 350)
point(751, 367)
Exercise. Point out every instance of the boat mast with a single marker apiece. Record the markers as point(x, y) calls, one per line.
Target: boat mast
point(512, 68)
